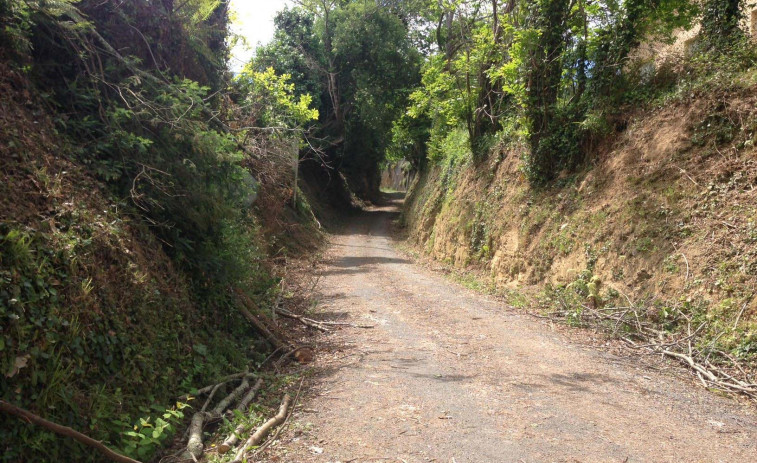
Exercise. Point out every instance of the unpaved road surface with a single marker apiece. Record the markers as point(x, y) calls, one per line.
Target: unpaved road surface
point(448, 375)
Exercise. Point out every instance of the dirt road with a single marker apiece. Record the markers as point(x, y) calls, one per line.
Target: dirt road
point(448, 375)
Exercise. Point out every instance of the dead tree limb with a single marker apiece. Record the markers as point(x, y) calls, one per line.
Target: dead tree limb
point(263, 430)
point(353, 325)
point(719, 380)
point(262, 329)
point(709, 375)
point(245, 307)
point(233, 438)
point(250, 395)
point(26, 415)
point(224, 380)
point(283, 425)
point(303, 320)
point(224, 404)
point(194, 445)
point(317, 324)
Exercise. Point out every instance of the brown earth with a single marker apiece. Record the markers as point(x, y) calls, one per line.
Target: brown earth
point(449, 375)
point(665, 212)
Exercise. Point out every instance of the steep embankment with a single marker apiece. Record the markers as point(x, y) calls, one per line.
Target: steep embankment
point(101, 328)
point(97, 323)
point(667, 216)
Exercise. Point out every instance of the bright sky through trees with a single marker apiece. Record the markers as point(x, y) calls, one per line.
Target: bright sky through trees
point(254, 21)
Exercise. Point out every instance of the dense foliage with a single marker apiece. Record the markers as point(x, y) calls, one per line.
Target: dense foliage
point(120, 270)
point(402, 79)
point(550, 74)
point(118, 295)
point(358, 61)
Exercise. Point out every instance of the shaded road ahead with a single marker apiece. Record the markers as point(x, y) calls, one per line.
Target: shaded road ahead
point(448, 375)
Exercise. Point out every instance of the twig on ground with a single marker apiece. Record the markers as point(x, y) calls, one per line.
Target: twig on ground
point(210, 388)
point(303, 320)
point(659, 342)
point(709, 375)
point(741, 312)
point(687, 267)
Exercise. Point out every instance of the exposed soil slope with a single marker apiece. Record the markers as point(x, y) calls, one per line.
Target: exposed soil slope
point(449, 375)
point(667, 215)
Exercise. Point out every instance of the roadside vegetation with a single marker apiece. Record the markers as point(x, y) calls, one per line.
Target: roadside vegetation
point(586, 156)
point(151, 200)
point(145, 194)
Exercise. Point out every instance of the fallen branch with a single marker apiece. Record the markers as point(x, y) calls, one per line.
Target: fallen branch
point(224, 380)
point(210, 397)
point(233, 438)
point(257, 324)
point(26, 415)
point(353, 325)
point(317, 324)
point(738, 317)
point(224, 404)
point(303, 320)
point(709, 376)
point(194, 445)
point(661, 342)
point(194, 432)
point(263, 430)
point(250, 395)
point(283, 425)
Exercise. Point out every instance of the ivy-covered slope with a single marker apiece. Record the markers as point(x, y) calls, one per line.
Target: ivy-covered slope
point(131, 218)
point(99, 328)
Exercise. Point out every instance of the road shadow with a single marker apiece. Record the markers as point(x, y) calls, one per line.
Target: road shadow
point(391, 199)
point(352, 265)
point(376, 220)
point(573, 382)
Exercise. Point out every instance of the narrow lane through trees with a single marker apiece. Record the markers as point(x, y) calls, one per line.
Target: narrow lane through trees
point(449, 375)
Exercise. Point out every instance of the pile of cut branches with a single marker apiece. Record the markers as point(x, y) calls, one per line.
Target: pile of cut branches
point(714, 367)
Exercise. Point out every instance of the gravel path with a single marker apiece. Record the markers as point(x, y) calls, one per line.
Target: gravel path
point(448, 375)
